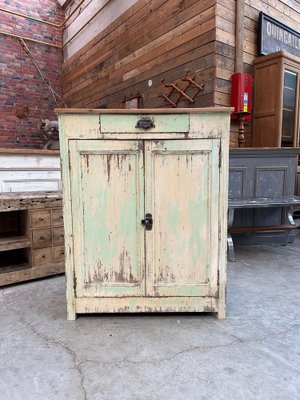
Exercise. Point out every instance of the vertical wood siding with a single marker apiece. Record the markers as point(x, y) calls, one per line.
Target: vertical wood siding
point(286, 11)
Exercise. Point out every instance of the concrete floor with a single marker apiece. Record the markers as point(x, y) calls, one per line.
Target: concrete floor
point(253, 354)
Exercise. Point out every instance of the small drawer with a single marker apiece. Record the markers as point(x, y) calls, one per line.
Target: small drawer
point(167, 123)
point(58, 253)
point(41, 238)
point(58, 236)
point(42, 256)
point(40, 218)
point(57, 217)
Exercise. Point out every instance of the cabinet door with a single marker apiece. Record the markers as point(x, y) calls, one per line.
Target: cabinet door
point(107, 187)
point(182, 194)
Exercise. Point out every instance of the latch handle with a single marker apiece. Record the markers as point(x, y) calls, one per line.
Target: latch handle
point(148, 222)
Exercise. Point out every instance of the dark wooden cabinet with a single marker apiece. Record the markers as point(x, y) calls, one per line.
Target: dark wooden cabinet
point(276, 100)
point(262, 173)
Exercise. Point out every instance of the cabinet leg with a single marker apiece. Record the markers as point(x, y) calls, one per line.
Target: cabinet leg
point(221, 314)
point(71, 314)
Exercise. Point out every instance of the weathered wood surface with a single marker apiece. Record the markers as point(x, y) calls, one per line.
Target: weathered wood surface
point(31, 240)
point(161, 112)
point(162, 39)
point(105, 256)
point(150, 41)
point(146, 304)
point(269, 104)
point(29, 200)
point(14, 242)
point(29, 170)
point(285, 11)
point(108, 205)
point(24, 272)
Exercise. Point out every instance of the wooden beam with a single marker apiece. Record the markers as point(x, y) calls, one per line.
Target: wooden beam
point(239, 35)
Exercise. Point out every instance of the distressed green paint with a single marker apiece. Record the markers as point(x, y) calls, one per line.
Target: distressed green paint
point(173, 216)
point(182, 236)
point(197, 280)
point(111, 237)
point(127, 123)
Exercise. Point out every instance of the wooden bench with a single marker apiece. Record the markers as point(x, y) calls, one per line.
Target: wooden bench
point(287, 203)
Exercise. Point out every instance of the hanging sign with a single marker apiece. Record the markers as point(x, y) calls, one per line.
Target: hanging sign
point(275, 36)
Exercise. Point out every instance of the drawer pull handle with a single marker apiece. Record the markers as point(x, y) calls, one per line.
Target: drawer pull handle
point(42, 238)
point(62, 252)
point(41, 219)
point(145, 123)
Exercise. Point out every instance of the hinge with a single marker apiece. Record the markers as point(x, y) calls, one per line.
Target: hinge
point(69, 158)
point(220, 155)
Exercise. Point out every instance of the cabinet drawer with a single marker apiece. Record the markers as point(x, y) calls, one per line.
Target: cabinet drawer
point(57, 217)
point(129, 123)
point(40, 218)
point(58, 253)
point(58, 236)
point(41, 238)
point(42, 256)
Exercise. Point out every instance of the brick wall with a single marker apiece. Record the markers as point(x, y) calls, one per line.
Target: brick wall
point(20, 83)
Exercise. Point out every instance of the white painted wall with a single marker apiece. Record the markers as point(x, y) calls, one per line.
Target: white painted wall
point(29, 172)
point(100, 14)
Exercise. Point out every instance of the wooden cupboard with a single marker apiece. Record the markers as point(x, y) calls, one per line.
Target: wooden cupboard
point(31, 236)
point(145, 205)
point(276, 100)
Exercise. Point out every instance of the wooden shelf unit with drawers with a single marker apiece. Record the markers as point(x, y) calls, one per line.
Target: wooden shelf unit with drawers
point(31, 236)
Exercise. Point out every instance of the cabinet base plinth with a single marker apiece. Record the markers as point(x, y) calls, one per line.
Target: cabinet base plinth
point(28, 273)
point(145, 304)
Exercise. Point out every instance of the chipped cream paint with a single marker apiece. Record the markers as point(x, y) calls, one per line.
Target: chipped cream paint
point(109, 238)
point(185, 224)
point(177, 174)
point(146, 304)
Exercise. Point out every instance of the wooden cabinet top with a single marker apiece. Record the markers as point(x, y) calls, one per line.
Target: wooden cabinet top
point(29, 200)
point(276, 55)
point(30, 151)
point(145, 110)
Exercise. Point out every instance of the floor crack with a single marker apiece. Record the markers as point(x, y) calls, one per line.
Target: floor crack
point(48, 339)
point(188, 350)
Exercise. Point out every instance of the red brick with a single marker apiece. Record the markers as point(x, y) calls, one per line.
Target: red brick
point(20, 83)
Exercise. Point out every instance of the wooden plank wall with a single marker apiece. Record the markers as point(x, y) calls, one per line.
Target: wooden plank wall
point(153, 39)
point(87, 19)
point(286, 11)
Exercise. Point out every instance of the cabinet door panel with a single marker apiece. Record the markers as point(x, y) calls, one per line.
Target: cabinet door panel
point(182, 189)
point(108, 195)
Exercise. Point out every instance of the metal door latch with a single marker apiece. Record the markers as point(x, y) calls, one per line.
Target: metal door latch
point(148, 222)
point(145, 123)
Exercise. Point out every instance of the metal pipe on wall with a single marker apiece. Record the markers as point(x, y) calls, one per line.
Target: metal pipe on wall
point(29, 17)
point(51, 24)
point(30, 40)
